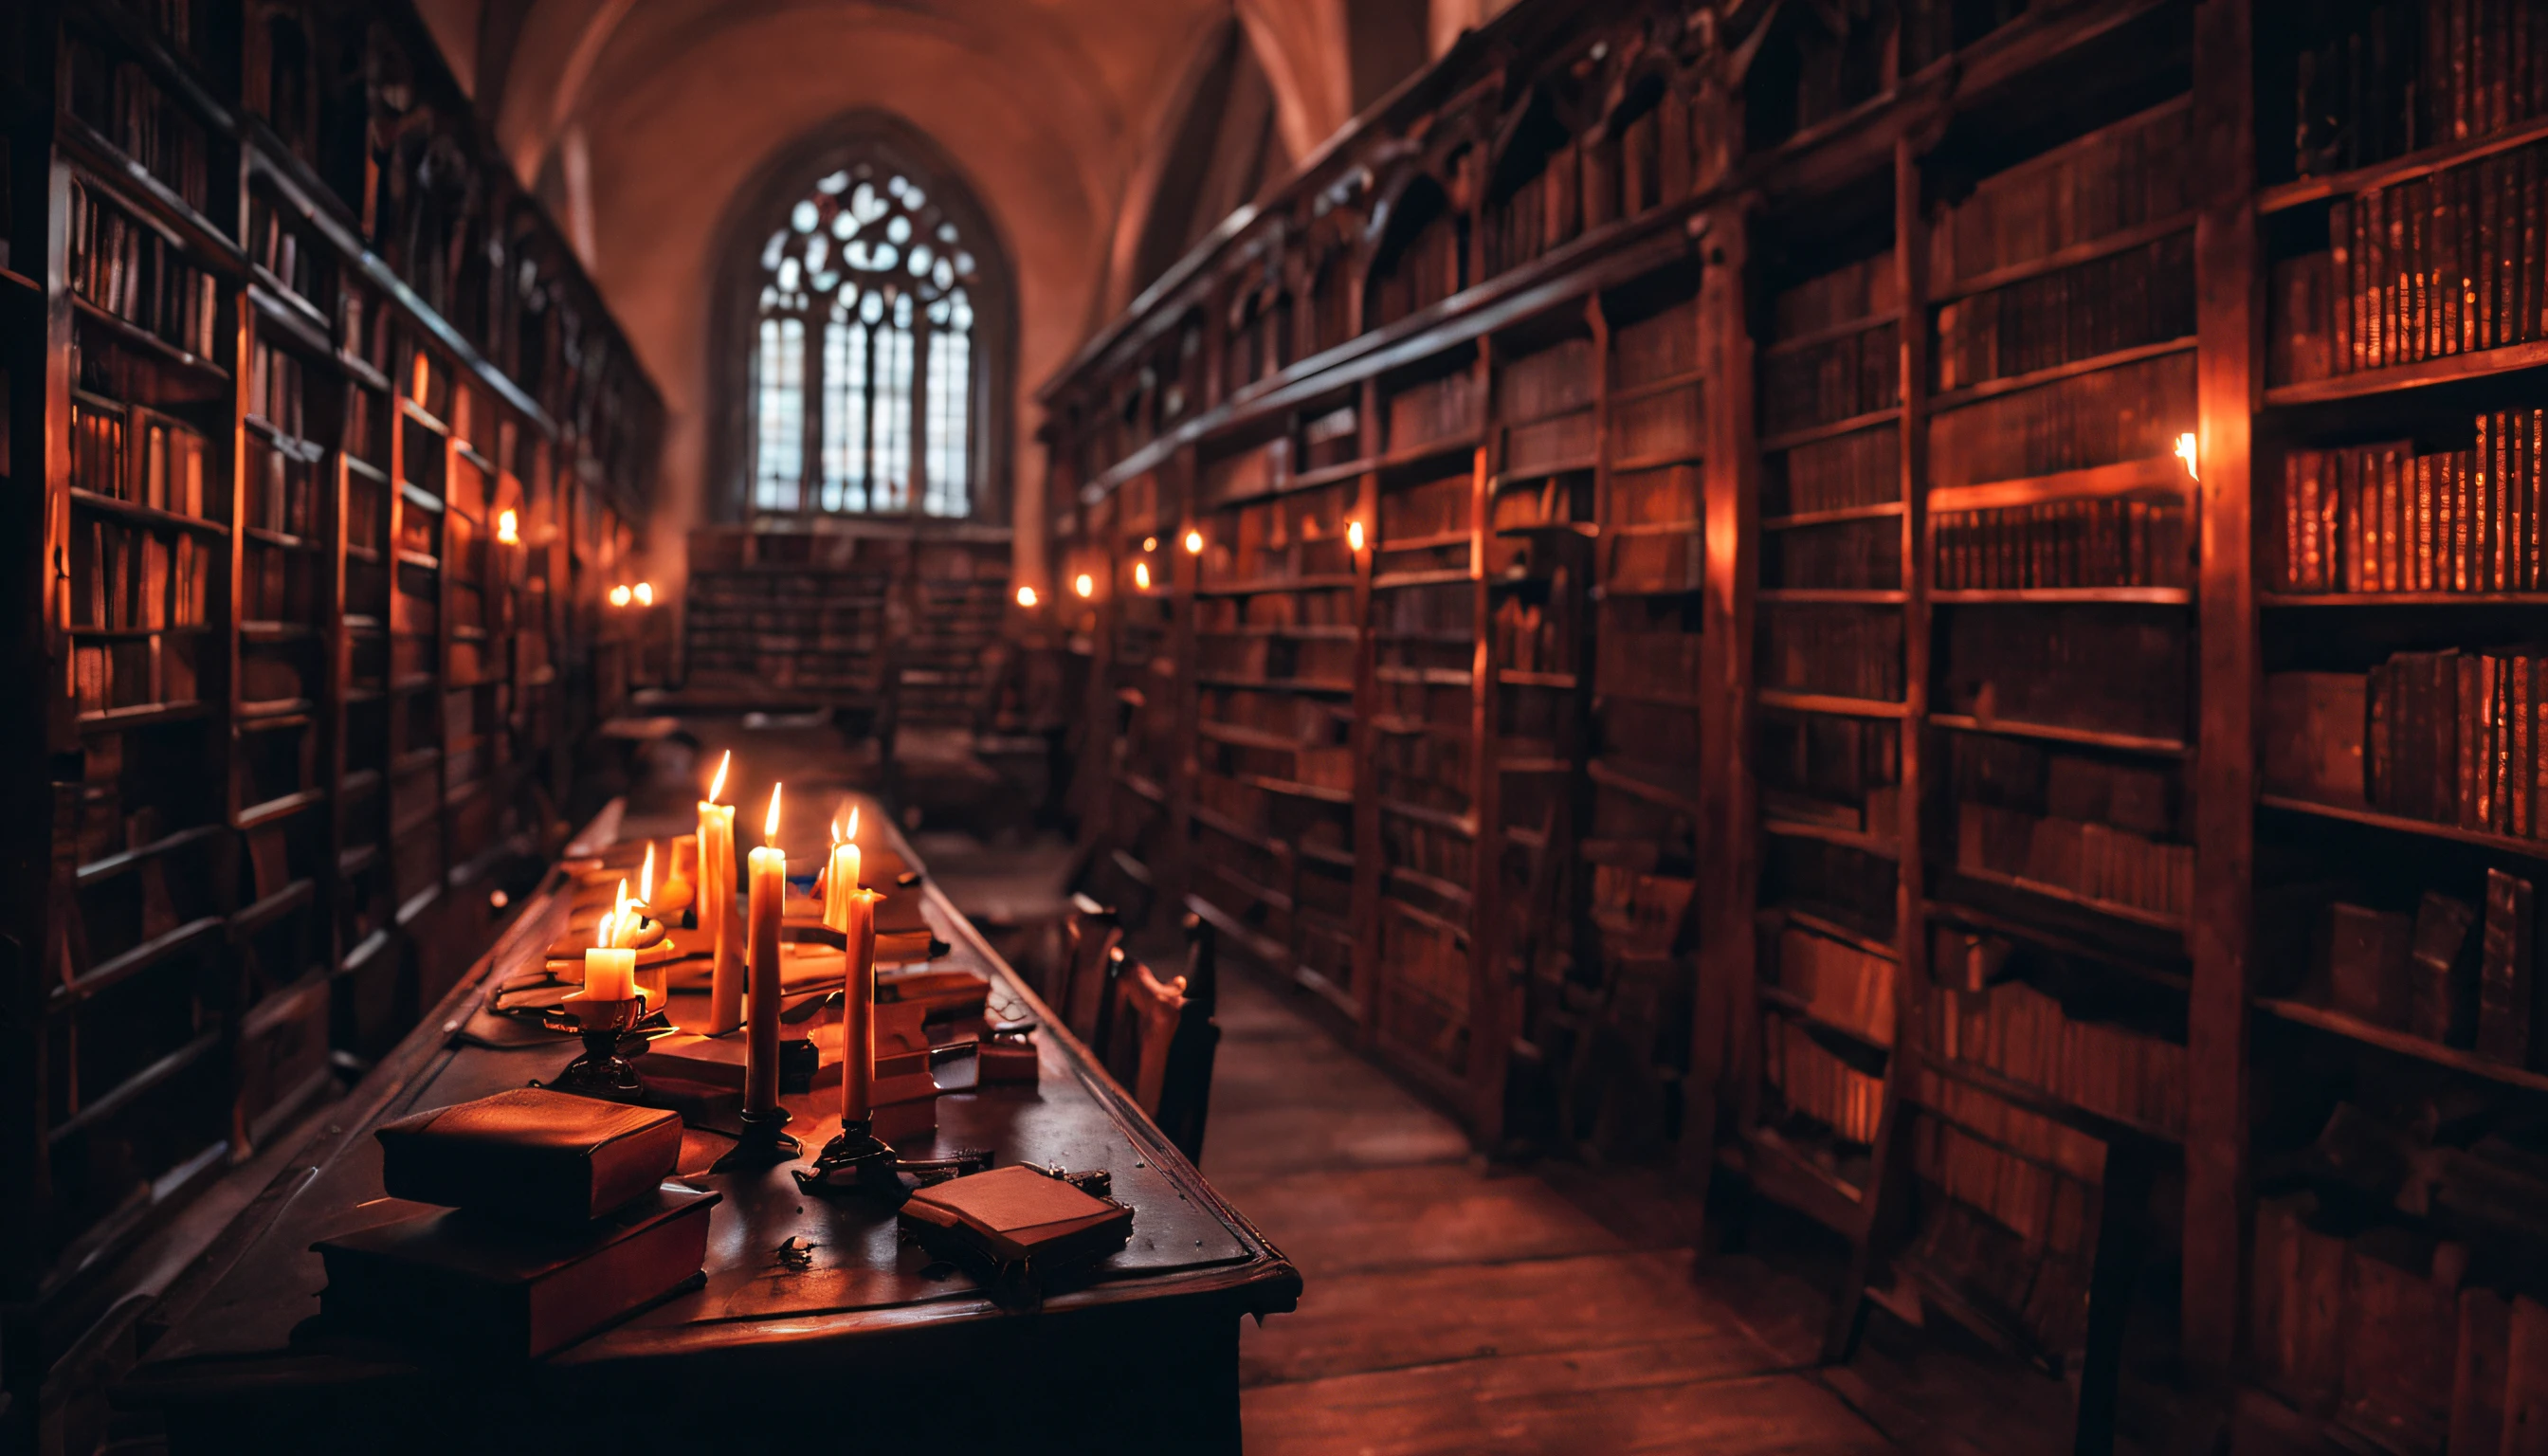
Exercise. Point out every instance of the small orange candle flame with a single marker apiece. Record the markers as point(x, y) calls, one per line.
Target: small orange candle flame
point(646, 877)
point(2185, 452)
point(853, 823)
point(770, 827)
point(717, 790)
point(1353, 534)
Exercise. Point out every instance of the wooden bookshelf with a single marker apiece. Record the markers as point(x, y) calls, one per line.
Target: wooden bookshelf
point(2100, 828)
point(300, 703)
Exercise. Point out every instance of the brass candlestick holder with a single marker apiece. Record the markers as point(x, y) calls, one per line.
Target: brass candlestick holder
point(858, 1162)
point(765, 1143)
point(601, 1072)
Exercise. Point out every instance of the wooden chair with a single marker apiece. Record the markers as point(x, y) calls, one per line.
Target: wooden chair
point(1078, 991)
point(1161, 1041)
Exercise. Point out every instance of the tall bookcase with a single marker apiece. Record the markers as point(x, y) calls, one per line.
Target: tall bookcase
point(321, 461)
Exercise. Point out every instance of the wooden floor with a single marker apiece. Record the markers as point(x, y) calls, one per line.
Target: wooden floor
point(1453, 1307)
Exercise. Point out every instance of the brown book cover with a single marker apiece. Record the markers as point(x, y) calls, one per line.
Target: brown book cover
point(2508, 996)
point(495, 1291)
point(2367, 957)
point(2526, 1386)
point(1016, 1215)
point(2443, 975)
point(532, 1154)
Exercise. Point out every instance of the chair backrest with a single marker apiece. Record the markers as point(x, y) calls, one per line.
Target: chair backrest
point(1147, 1013)
point(1076, 992)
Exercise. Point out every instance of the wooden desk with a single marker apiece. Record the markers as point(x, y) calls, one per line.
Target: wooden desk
point(860, 1346)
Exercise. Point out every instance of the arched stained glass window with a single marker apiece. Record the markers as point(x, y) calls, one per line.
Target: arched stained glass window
point(866, 377)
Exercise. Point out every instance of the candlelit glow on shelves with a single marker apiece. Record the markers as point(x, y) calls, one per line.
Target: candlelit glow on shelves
point(619, 596)
point(1025, 597)
point(1085, 584)
point(645, 594)
point(2185, 452)
point(1353, 534)
point(716, 785)
point(1141, 575)
point(1194, 543)
point(508, 529)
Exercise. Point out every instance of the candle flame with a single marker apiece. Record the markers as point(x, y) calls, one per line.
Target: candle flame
point(853, 823)
point(619, 596)
point(1353, 534)
point(770, 827)
point(645, 594)
point(646, 877)
point(836, 829)
point(508, 529)
point(1025, 597)
point(717, 790)
point(1141, 575)
point(1194, 543)
point(2185, 452)
point(1150, 544)
point(1085, 584)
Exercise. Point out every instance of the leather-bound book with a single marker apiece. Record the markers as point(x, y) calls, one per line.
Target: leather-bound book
point(2506, 993)
point(1018, 1216)
point(2442, 990)
point(531, 1156)
point(2366, 963)
point(492, 1290)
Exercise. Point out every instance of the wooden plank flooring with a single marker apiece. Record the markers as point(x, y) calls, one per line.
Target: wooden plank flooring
point(1454, 1308)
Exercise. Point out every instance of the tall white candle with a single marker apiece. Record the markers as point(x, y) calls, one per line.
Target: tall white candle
point(769, 900)
point(716, 907)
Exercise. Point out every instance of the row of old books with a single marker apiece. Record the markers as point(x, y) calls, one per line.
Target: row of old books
point(1413, 843)
point(2038, 778)
point(2023, 1035)
point(1444, 409)
point(1321, 660)
point(1865, 288)
point(1666, 495)
point(2122, 301)
point(1836, 379)
point(1536, 500)
point(1429, 771)
point(120, 100)
point(1328, 767)
point(2454, 737)
point(2383, 1332)
point(1830, 758)
point(2107, 416)
point(2382, 519)
point(1259, 611)
point(275, 390)
point(133, 673)
point(1283, 715)
point(1554, 381)
point(1430, 266)
point(1246, 473)
point(282, 490)
point(2446, 264)
point(2380, 80)
point(137, 275)
point(277, 585)
point(135, 579)
point(1661, 345)
point(276, 247)
point(1855, 555)
point(1437, 508)
point(2027, 1197)
point(1662, 426)
point(135, 454)
point(2111, 868)
point(2095, 668)
point(1860, 468)
point(1843, 651)
point(1816, 1083)
point(2109, 541)
point(1838, 984)
point(2130, 175)
point(2454, 973)
point(1632, 658)
point(1852, 888)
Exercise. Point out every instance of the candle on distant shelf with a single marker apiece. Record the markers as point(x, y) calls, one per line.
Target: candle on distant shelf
point(768, 899)
point(858, 1006)
point(716, 906)
point(841, 876)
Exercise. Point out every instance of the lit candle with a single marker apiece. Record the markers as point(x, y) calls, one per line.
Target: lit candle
point(768, 897)
point(681, 882)
point(858, 1006)
point(609, 974)
point(646, 877)
point(716, 906)
point(841, 876)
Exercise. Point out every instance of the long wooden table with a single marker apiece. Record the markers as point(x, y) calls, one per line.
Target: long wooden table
point(869, 1341)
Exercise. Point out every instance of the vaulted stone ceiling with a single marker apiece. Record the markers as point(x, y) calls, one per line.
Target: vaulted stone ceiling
point(641, 122)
